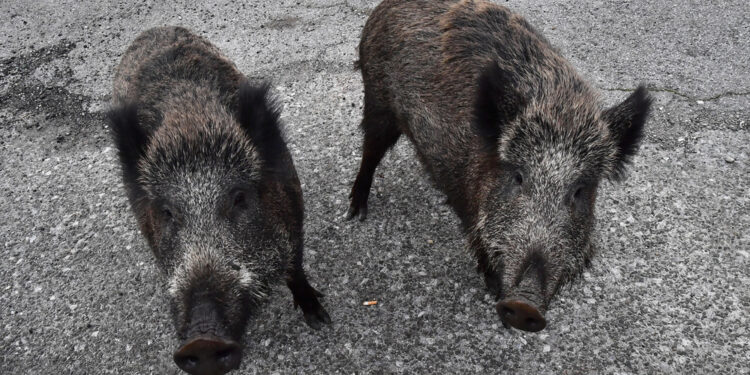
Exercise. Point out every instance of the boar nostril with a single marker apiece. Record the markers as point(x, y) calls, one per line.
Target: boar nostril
point(533, 324)
point(507, 312)
point(229, 358)
point(190, 362)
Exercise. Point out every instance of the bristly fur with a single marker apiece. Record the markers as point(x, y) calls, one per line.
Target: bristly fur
point(130, 139)
point(197, 146)
point(463, 77)
point(534, 262)
point(496, 105)
point(627, 121)
point(258, 115)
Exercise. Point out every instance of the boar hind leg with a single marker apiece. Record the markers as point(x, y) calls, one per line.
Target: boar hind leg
point(380, 134)
point(306, 297)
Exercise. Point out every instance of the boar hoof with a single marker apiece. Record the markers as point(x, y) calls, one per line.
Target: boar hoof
point(355, 210)
point(315, 315)
point(317, 318)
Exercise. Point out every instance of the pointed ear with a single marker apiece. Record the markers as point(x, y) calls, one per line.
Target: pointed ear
point(497, 103)
point(258, 116)
point(626, 121)
point(130, 139)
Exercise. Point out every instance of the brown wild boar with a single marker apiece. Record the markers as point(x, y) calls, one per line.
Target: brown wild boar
point(213, 188)
point(506, 128)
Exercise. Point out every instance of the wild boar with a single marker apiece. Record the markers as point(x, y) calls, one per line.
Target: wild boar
point(506, 128)
point(213, 188)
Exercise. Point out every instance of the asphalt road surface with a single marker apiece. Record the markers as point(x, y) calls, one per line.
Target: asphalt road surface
point(669, 291)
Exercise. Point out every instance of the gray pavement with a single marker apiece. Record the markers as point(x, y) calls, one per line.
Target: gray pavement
point(669, 291)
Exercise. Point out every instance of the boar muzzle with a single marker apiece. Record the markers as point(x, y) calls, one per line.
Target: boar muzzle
point(208, 356)
point(524, 304)
point(207, 350)
point(520, 314)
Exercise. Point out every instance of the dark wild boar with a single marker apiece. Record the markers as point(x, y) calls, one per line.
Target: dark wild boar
point(506, 128)
point(213, 189)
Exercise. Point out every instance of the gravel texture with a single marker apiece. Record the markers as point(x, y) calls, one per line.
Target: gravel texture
point(669, 291)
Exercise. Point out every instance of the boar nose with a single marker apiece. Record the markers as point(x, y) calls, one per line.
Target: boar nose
point(521, 315)
point(208, 356)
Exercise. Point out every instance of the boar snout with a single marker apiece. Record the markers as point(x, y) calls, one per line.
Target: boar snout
point(523, 306)
point(207, 355)
point(520, 314)
point(207, 349)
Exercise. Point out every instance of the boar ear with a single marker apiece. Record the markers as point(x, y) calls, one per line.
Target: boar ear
point(497, 103)
point(626, 121)
point(130, 139)
point(258, 116)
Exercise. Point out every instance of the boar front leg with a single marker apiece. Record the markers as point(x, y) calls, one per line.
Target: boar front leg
point(306, 297)
point(492, 277)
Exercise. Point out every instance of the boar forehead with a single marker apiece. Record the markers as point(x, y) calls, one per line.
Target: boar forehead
point(559, 149)
point(199, 159)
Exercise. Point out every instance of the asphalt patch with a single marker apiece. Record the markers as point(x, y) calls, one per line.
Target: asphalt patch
point(60, 116)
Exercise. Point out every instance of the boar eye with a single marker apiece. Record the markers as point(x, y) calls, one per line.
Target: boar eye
point(239, 200)
point(166, 212)
point(513, 183)
point(578, 193)
point(578, 196)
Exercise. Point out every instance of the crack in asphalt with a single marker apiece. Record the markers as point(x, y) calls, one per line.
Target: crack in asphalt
point(683, 95)
point(344, 4)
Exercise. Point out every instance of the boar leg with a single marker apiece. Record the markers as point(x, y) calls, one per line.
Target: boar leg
point(381, 133)
point(492, 278)
point(306, 297)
